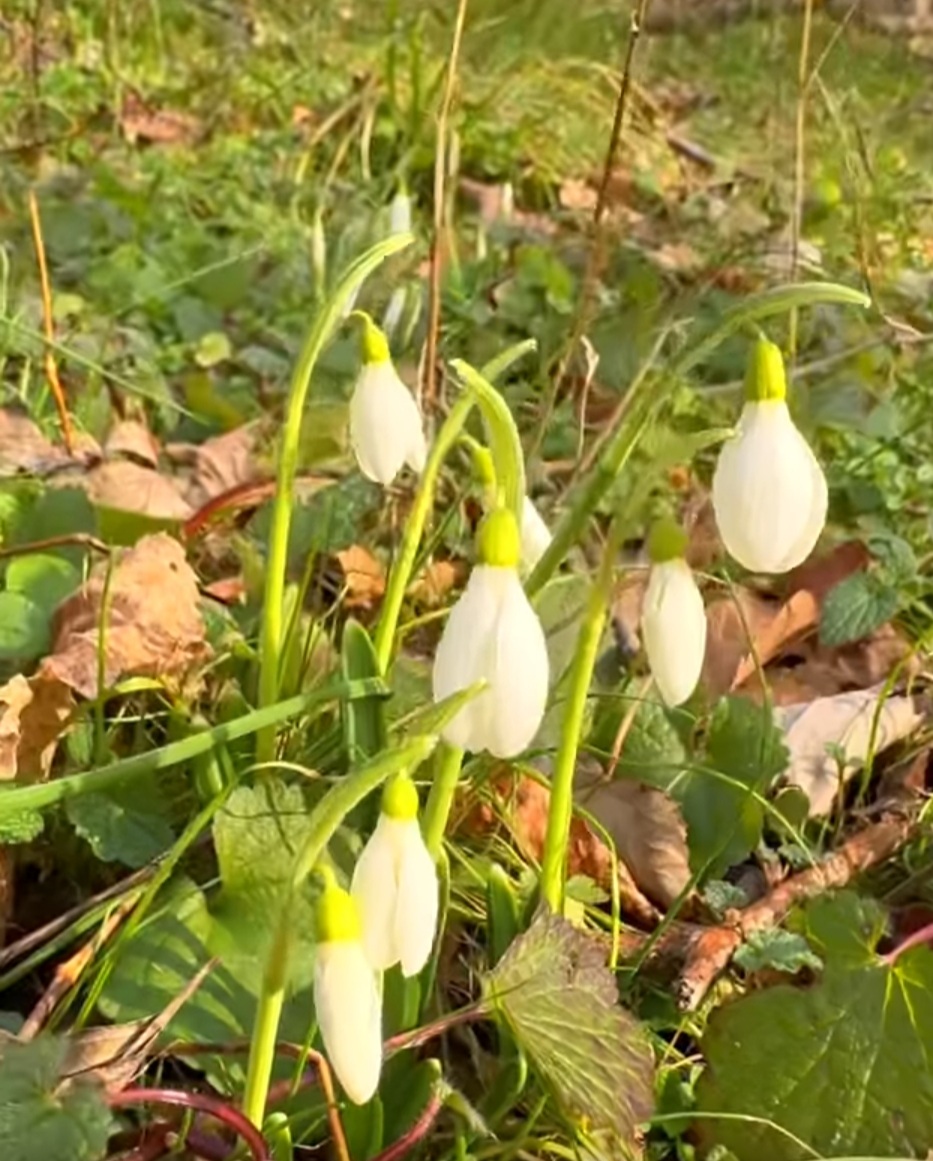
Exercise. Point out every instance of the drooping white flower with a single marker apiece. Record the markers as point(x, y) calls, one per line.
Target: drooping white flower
point(536, 536)
point(494, 635)
point(347, 999)
point(769, 491)
point(400, 212)
point(395, 885)
point(385, 424)
point(673, 620)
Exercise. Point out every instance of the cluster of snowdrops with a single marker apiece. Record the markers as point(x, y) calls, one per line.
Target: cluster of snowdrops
point(770, 498)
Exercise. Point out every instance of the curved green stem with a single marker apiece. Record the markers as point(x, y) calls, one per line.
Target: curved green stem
point(560, 809)
point(504, 440)
point(271, 638)
point(448, 761)
point(322, 826)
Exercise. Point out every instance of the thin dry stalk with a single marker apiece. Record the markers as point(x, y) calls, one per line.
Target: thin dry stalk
point(51, 367)
point(438, 241)
point(800, 161)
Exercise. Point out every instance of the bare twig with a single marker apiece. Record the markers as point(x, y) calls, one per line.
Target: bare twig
point(82, 539)
point(438, 242)
point(51, 367)
point(595, 256)
point(418, 1131)
point(710, 950)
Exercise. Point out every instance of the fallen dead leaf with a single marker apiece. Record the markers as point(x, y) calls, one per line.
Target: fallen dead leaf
point(131, 438)
point(33, 716)
point(575, 194)
point(677, 258)
point(143, 123)
point(23, 447)
point(848, 721)
point(154, 627)
point(626, 611)
point(130, 487)
point(229, 590)
point(730, 621)
point(437, 581)
point(220, 464)
point(648, 831)
point(364, 577)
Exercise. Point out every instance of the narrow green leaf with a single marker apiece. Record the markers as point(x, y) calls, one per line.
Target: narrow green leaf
point(504, 440)
point(364, 728)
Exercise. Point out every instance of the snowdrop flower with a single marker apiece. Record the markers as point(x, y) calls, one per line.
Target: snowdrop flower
point(673, 621)
point(347, 998)
point(400, 213)
point(535, 537)
point(395, 885)
point(769, 492)
point(494, 635)
point(385, 423)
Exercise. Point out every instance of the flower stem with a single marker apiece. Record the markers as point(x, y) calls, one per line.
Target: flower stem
point(560, 810)
point(448, 761)
point(322, 826)
point(272, 635)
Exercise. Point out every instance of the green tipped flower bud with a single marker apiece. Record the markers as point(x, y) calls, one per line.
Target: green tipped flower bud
point(400, 799)
point(336, 917)
point(666, 541)
point(498, 542)
point(482, 461)
point(374, 346)
point(765, 379)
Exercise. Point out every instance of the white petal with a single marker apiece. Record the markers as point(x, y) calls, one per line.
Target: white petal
point(375, 890)
point(765, 491)
point(417, 901)
point(348, 1007)
point(393, 312)
point(816, 519)
point(673, 626)
point(385, 424)
point(519, 675)
point(400, 214)
point(536, 537)
point(465, 655)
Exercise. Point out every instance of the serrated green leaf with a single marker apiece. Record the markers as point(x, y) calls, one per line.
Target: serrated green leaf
point(856, 607)
point(560, 1002)
point(843, 1065)
point(785, 951)
point(721, 896)
point(22, 827)
point(653, 751)
point(24, 627)
point(128, 826)
point(43, 1119)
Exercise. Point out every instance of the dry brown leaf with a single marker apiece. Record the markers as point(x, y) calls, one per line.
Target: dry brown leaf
point(678, 258)
point(847, 720)
point(648, 831)
point(130, 487)
point(797, 616)
point(575, 194)
point(437, 581)
point(154, 628)
point(129, 437)
point(363, 576)
point(141, 122)
point(626, 610)
point(222, 463)
point(730, 621)
point(819, 574)
point(33, 715)
point(23, 447)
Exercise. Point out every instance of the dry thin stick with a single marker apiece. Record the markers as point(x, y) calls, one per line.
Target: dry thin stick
point(70, 972)
point(800, 139)
point(51, 367)
point(429, 392)
point(595, 256)
point(710, 951)
point(83, 539)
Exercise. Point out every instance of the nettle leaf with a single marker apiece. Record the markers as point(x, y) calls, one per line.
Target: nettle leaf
point(784, 951)
point(843, 1066)
point(41, 1117)
point(560, 1001)
point(744, 753)
point(653, 752)
point(856, 607)
point(128, 826)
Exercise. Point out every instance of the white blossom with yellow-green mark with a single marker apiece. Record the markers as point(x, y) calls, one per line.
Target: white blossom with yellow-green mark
point(395, 885)
point(386, 429)
point(535, 536)
point(347, 994)
point(493, 635)
point(769, 491)
point(673, 620)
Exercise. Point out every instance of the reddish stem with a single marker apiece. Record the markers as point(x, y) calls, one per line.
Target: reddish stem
point(924, 935)
point(202, 1103)
point(416, 1133)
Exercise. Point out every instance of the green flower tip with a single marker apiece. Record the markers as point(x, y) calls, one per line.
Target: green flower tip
point(400, 799)
point(764, 377)
point(374, 346)
point(483, 464)
point(498, 542)
point(336, 918)
point(666, 541)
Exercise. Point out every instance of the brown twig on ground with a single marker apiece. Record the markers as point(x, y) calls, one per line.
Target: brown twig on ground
point(709, 951)
point(595, 256)
point(48, 326)
point(82, 539)
point(69, 973)
point(439, 240)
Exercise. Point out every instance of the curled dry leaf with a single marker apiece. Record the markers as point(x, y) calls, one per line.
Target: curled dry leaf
point(364, 577)
point(133, 439)
point(154, 626)
point(219, 464)
point(437, 582)
point(24, 448)
point(847, 721)
point(129, 487)
point(33, 715)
